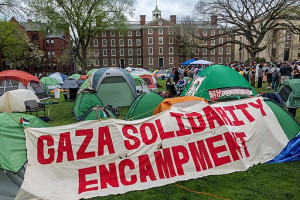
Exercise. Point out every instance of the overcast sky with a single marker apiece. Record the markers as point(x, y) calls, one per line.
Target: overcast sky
point(180, 8)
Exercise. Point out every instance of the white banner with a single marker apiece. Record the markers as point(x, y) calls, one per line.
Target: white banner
point(191, 140)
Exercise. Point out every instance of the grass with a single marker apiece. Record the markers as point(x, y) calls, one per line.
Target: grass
point(263, 181)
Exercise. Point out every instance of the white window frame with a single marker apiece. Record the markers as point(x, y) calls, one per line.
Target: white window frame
point(105, 63)
point(121, 42)
point(151, 40)
point(139, 61)
point(204, 32)
point(129, 33)
point(212, 59)
point(160, 31)
point(104, 34)
point(150, 31)
point(171, 60)
point(171, 40)
point(212, 42)
point(228, 52)
point(161, 51)
point(212, 52)
point(228, 39)
point(130, 51)
point(228, 60)
point(104, 42)
point(112, 33)
point(139, 51)
point(220, 50)
point(130, 42)
point(138, 42)
point(204, 51)
point(220, 60)
point(171, 50)
point(96, 62)
point(130, 61)
point(53, 54)
point(95, 42)
point(204, 42)
point(213, 32)
point(113, 62)
point(138, 33)
point(221, 40)
point(122, 52)
point(96, 52)
point(160, 40)
point(150, 50)
point(113, 52)
point(113, 42)
point(104, 52)
point(150, 60)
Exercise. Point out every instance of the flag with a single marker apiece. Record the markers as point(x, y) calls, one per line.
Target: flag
point(24, 122)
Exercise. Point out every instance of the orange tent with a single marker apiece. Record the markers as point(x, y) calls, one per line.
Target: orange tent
point(169, 102)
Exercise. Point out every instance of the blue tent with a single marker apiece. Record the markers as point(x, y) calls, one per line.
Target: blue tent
point(187, 62)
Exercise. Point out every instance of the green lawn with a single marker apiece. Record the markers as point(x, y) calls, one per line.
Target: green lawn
point(263, 181)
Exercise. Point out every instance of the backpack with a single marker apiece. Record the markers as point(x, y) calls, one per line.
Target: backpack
point(275, 74)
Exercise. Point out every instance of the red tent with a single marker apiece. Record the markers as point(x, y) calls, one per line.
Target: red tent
point(149, 81)
point(18, 75)
point(83, 77)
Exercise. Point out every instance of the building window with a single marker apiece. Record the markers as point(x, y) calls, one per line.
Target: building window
point(139, 61)
point(129, 33)
point(227, 60)
point(204, 42)
point(96, 53)
point(170, 40)
point(96, 62)
point(47, 43)
point(53, 54)
point(160, 40)
point(204, 51)
point(213, 32)
point(204, 58)
point(150, 40)
point(138, 42)
point(112, 42)
point(95, 42)
point(121, 33)
point(105, 62)
point(220, 50)
point(150, 31)
point(129, 42)
point(170, 50)
point(130, 52)
point(212, 42)
point(220, 40)
point(104, 42)
point(121, 52)
point(49, 54)
point(160, 31)
point(228, 50)
point(150, 61)
point(104, 34)
point(112, 33)
point(52, 43)
point(104, 52)
point(204, 32)
point(121, 41)
point(160, 50)
point(170, 60)
point(130, 61)
point(113, 52)
point(150, 51)
point(228, 40)
point(113, 62)
point(212, 59)
point(220, 60)
point(212, 51)
point(139, 52)
point(138, 33)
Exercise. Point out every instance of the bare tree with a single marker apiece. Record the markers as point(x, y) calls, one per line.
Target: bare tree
point(251, 19)
point(12, 7)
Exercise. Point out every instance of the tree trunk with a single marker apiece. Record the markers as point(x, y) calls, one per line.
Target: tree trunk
point(252, 57)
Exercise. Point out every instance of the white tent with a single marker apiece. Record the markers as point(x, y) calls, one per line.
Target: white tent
point(13, 101)
point(201, 62)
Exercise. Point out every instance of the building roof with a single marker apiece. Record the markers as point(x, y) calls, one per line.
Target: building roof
point(156, 10)
point(36, 26)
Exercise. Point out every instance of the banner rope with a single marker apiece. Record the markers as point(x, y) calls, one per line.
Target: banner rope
point(205, 193)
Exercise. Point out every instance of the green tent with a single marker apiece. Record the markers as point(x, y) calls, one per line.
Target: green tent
point(290, 93)
point(85, 84)
point(12, 140)
point(75, 76)
point(98, 113)
point(50, 82)
point(140, 85)
point(219, 82)
point(83, 103)
point(288, 123)
point(90, 72)
point(143, 106)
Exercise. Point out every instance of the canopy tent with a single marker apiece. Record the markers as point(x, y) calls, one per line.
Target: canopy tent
point(218, 82)
point(150, 81)
point(114, 86)
point(50, 83)
point(140, 85)
point(188, 62)
point(143, 106)
point(60, 77)
point(16, 79)
point(290, 93)
point(85, 100)
point(75, 76)
point(13, 101)
point(201, 62)
point(70, 83)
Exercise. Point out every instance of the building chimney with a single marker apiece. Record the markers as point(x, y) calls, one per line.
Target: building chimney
point(173, 18)
point(29, 20)
point(143, 20)
point(214, 20)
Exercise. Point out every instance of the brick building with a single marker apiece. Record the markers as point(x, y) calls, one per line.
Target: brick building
point(152, 44)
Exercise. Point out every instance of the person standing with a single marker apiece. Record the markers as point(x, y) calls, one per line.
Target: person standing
point(275, 77)
point(176, 75)
point(285, 72)
point(260, 76)
point(269, 76)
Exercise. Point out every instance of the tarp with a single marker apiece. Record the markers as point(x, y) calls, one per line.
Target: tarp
point(219, 82)
point(187, 62)
point(92, 158)
point(14, 101)
point(290, 93)
point(143, 106)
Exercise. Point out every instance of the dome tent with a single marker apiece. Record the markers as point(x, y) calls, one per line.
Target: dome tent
point(114, 86)
point(70, 82)
point(98, 113)
point(218, 82)
point(140, 85)
point(16, 79)
point(50, 83)
point(289, 91)
point(60, 77)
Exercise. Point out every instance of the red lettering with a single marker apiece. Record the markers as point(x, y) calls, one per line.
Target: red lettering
point(243, 107)
point(64, 145)
point(144, 135)
point(40, 149)
point(136, 141)
point(145, 168)
point(196, 128)
point(215, 150)
point(104, 139)
point(127, 163)
point(241, 136)
point(81, 154)
point(83, 183)
point(108, 176)
point(212, 116)
point(182, 131)
point(162, 133)
point(233, 146)
point(258, 106)
point(200, 156)
point(235, 121)
point(164, 164)
point(223, 115)
point(179, 161)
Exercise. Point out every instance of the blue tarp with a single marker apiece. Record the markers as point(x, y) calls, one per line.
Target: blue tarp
point(187, 62)
point(290, 153)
